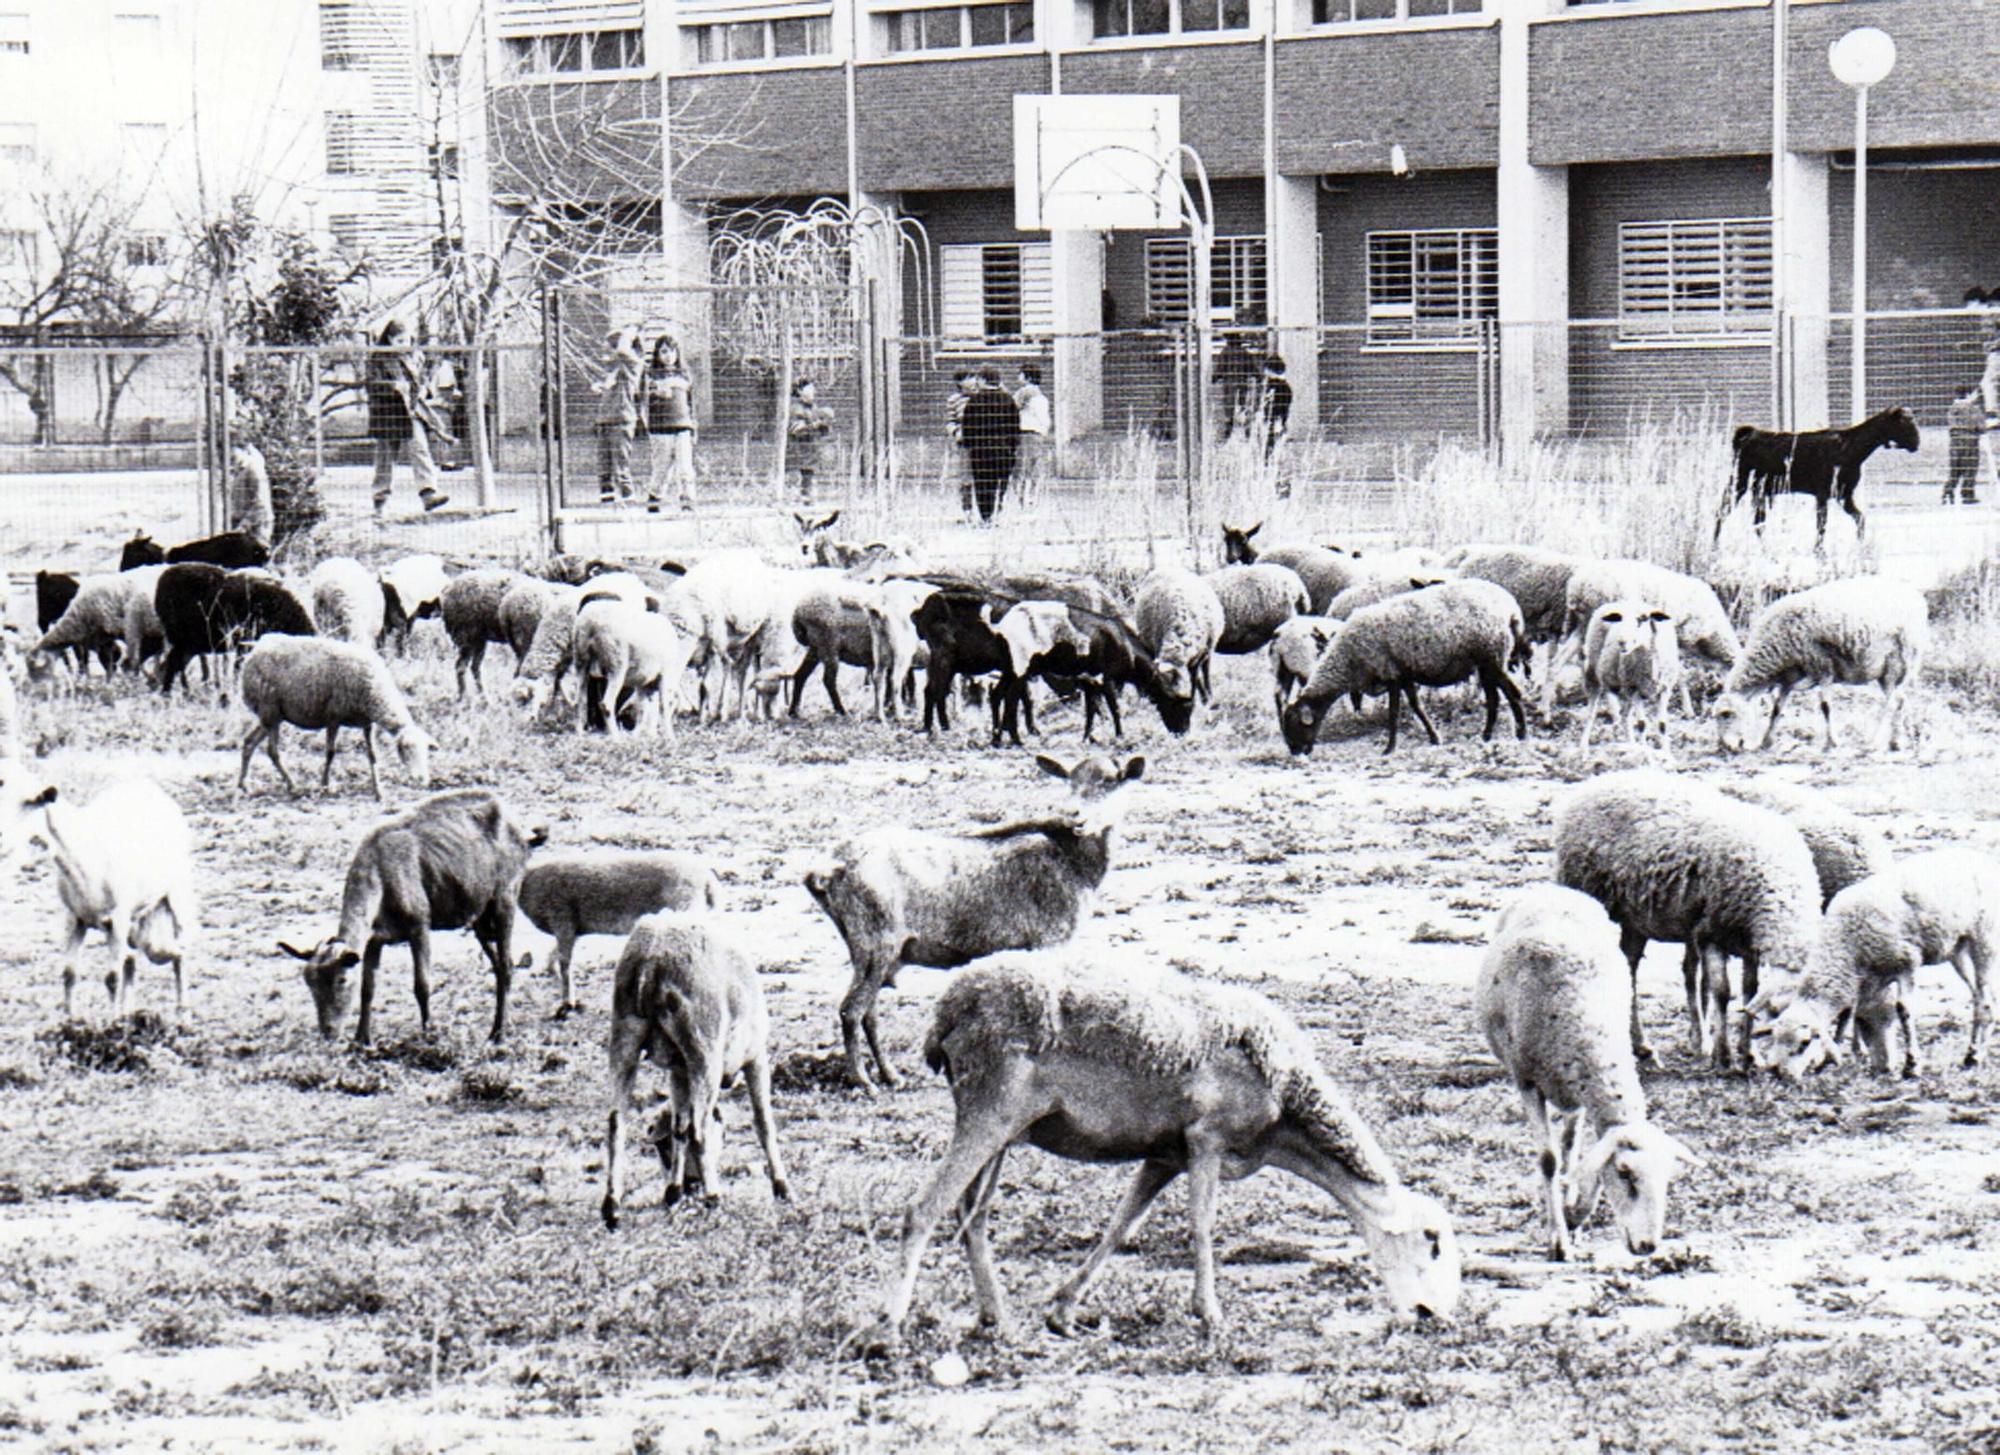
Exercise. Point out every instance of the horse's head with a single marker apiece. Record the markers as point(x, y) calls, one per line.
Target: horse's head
point(1902, 429)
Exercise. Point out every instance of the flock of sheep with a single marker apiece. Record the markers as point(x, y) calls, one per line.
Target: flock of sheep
point(1798, 932)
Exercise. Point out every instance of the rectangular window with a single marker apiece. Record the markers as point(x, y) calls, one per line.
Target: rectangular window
point(17, 142)
point(336, 36)
point(993, 294)
point(569, 53)
point(1702, 278)
point(761, 40)
point(1433, 286)
point(1342, 12)
point(342, 144)
point(146, 250)
point(20, 251)
point(957, 26)
point(1236, 280)
point(13, 33)
point(1167, 17)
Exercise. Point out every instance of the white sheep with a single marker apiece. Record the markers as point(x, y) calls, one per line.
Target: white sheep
point(1436, 637)
point(1378, 586)
point(1536, 577)
point(1701, 625)
point(743, 606)
point(1326, 570)
point(347, 602)
point(897, 649)
point(539, 674)
point(1860, 631)
point(319, 684)
point(690, 998)
point(1845, 849)
point(607, 892)
point(1931, 909)
point(1257, 600)
point(1553, 999)
point(114, 608)
point(1633, 653)
point(124, 864)
point(1673, 859)
point(1094, 1057)
point(626, 655)
point(415, 584)
point(1180, 618)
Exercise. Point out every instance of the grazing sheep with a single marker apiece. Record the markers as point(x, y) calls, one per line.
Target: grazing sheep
point(233, 550)
point(412, 589)
point(832, 623)
point(1700, 623)
point(1673, 859)
point(124, 864)
point(1378, 587)
point(625, 653)
point(1326, 571)
point(108, 611)
point(1436, 637)
point(1931, 909)
point(205, 609)
point(1537, 579)
point(897, 648)
point(606, 892)
point(317, 684)
point(741, 605)
point(1095, 1060)
point(959, 641)
point(917, 897)
point(1257, 600)
point(348, 604)
point(452, 861)
point(1097, 650)
point(1179, 619)
point(1553, 1000)
point(690, 998)
point(54, 591)
point(550, 655)
point(1864, 630)
point(1296, 650)
point(1632, 652)
point(1845, 849)
point(470, 606)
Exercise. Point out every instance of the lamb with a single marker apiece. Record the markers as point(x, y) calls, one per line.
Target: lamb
point(1433, 638)
point(1373, 589)
point(607, 892)
point(1095, 1060)
point(124, 864)
point(1670, 858)
point(109, 610)
point(1180, 619)
point(689, 997)
point(412, 589)
point(451, 861)
point(206, 609)
point(624, 653)
point(1296, 650)
point(1326, 571)
point(916, 897)
point(1536, 577)
point(1931, 909)
point(1257, 600)
point(1845, 849)
point(1867, 629)
point(470, 606)
point(1631, 652)
point(1700, 623)
point(318, 683)
point(348, 604)
point(1553, 1000)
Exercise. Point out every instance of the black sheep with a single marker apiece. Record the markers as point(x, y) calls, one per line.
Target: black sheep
point(204, 609)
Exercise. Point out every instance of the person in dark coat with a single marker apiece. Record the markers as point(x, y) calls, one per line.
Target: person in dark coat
point(1236, 376)
point(1276, 405)
point(992, 430)
point(399, 414)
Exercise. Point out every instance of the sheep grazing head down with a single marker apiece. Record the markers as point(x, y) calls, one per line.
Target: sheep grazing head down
point(1632, 1165)
point(1735, 720)
point(1416, 1255)
point(329, 975)
point(415, 746)
point(23, 796)
point(1794, 1040)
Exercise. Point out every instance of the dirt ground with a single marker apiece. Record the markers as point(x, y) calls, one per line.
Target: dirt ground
point(226, 1234)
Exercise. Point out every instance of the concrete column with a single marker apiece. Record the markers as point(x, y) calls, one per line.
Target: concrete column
point(1533, 209)
point(1291, 260)
point(878, 257)
point(1806, 280)
point(1076, 391)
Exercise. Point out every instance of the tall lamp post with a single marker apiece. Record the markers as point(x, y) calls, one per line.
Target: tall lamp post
point(1860, 59)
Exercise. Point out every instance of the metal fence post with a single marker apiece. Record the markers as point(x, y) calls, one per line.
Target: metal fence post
point(552, 457)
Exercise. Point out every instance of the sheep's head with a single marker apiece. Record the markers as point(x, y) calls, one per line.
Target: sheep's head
point(23, 796)
point(1300, 724)
point(1735, 721)
point(415, 746)
point(1795, 1040)
point(1174, 697)
point(329, 975)
point(1632, 1165)
point(1415, 1254)
point(1236, 547)
point(812, 534)
point(1091, 781)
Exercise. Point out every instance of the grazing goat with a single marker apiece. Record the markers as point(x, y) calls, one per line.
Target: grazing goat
point(1822, 463)
point(1096, 1060)
point(916, 897)
point(452, 861)
point(688, 997)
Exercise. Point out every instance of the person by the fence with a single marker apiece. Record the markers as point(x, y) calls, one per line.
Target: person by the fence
point(1989, 399)
point(1236, 376)
point(992, 441)
point(964, 386)
point(808, 424)
point(670, 423)
point(1275, 404)
point(247, 493)
point(1964, 421)
point(400, 413)
point(1037, 424)
point(617, 389)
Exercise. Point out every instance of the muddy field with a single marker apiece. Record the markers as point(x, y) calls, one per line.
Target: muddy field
point(225, 1233)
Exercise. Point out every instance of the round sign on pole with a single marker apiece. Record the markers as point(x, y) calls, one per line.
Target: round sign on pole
point(1862, 57)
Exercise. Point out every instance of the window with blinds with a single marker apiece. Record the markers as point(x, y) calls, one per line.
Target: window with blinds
point(1691, 279)
point(343, 144)
point(1236, 280)
point(1432, 287)
point(994, 294)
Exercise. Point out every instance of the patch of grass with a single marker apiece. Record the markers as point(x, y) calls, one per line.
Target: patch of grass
point(178, 1328)
point(419, 1053)
point(201, 1203)
point(1428, 933)
point(803, 1071)
point(97, 1187)
point(1726, 1325)
point(18, 1076)
point(487, 1086)
point(126, 1046)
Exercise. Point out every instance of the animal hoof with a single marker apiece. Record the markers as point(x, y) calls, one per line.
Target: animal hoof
point(671, 1196)
point(562, 1012)
point(610, 1211)
point(781, 1190)
point(1066, 1321)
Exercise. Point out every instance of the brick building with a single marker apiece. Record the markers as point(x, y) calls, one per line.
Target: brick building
point(1549, 211)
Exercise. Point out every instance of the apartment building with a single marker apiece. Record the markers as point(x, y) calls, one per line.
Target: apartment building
point(1552, 210)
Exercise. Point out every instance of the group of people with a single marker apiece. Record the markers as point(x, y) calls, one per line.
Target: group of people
point(1003, 435)
point(653, 392)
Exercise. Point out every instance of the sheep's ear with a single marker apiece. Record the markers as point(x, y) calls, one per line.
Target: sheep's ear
point(804, 526)
point(294, 951)
point(1135, 768)
point(673, 568)
point(1252, 530)
point(538, 835)
point(1050, 766)
point(828, 523)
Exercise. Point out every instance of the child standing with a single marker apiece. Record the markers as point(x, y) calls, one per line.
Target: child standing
point(1964, 421)
point(669, 423)
point(617, 416)
point(809, 424)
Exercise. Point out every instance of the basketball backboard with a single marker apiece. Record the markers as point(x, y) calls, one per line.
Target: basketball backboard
point(1097, 162)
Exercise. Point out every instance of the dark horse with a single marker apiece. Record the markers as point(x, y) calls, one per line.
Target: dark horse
point(1819, 463)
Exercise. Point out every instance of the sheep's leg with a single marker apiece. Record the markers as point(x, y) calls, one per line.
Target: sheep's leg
point(420, 974)
point(258, 732)
point(856, 1007)
point(118, 980)
point(759, 1079)
point(830, 679)
point(497, 941)
point(1889, 727)
point(371, 961)
point(670, 1142)
point(1492, 694)
point(1691, 979)
point(72, 957)
point(974, 1206)
point(1715, 977)
point(1590, 716)
point(1410, 690)
point(326, 767)
point(701, 1122)
point(1828, 743)
point(1559, 657)
point(1152, 1179)
point(374, 768)
point(1777, 706)
point(1548, 1133)
point(1912, 1058)
point(559, 963)
point(1110, 691)
point(628, 1043)
point(869, 1025)
point(1634, 945)
point(1204, 1179)
point(1580, 1200)
point(800, 678)
point(1970, 962)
